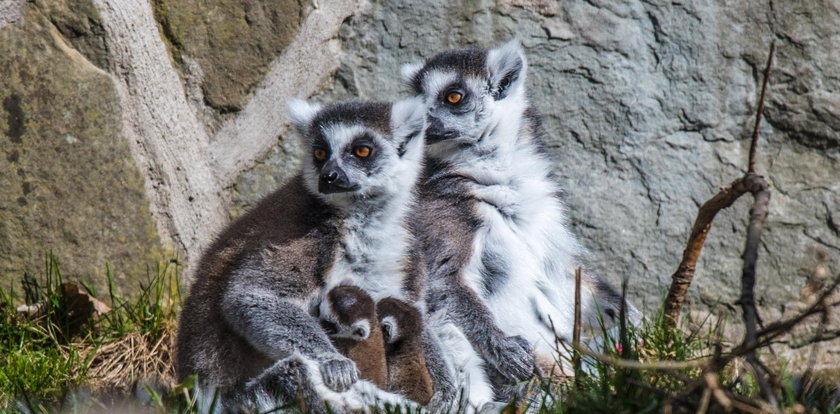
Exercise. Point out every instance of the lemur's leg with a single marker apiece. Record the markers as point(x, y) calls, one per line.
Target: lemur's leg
point(277, 327)
point(286, 382)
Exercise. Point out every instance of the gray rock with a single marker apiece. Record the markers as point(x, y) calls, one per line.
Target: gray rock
point(68, 183)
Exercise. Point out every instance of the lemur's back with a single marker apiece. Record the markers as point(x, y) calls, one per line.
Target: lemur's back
point(207, 346)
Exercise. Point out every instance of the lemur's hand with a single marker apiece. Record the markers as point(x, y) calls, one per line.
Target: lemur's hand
point(512, 357)
point(338, 372)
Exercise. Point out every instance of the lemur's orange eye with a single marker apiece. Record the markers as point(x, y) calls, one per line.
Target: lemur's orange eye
point(454, 97)
point(319, 154)
point(362, 151)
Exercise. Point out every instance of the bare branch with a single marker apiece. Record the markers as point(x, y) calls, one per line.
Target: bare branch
point(760, 109)
point(713, 384)
point(576, 328)
point(776, 329)
point(815, 339)
point(681, 279)
point(758, 214)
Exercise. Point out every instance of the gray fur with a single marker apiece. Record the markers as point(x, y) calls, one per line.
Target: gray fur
point(449, 227)
point(490, 192)
point(494, 272)
point(249, 324)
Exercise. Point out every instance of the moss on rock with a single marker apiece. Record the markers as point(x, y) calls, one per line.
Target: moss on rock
point(68, 182)
point(233, 42)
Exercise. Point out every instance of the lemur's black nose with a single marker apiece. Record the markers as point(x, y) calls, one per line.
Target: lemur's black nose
point(333, 179)
point(436, 132)
point(330, 176)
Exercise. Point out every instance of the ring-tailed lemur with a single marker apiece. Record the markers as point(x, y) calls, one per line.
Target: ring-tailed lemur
point(354, 329)
point(384, 339)
point(402, 326)
point(249, 323)
point(502, 255)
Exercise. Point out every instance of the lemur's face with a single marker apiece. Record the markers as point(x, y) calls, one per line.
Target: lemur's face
point(347, 312)
point(465, 91)
point(359, 149)
point(399, 320)
point(457, 106)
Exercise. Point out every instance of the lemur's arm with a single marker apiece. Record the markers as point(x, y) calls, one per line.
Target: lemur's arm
point(449, 226)
point(510, 355)
point(279, 326)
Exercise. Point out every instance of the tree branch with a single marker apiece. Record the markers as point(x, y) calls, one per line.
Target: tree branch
point(166, 137)
point(681, 279)
point(758, 214)
point(760, 109)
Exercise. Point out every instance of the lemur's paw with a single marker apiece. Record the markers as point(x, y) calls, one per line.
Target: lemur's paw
point(338, 372)
point(513, 359)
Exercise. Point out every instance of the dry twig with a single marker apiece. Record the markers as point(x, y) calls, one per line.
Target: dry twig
point(751, 182)
point(760, 109)
point(681, 279)
point(576, 328)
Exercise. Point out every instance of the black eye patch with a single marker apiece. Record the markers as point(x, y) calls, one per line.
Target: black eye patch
point(457, 98)
point(319, 143)
point(366, 163)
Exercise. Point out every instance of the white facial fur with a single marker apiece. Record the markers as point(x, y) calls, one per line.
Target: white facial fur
point(490, 102)
point(394, 164)
point(374, 237)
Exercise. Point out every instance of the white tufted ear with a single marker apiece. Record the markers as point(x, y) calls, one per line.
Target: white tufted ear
point(408, 122)
point(507, 67)
point(409, 71)
point(301, 113)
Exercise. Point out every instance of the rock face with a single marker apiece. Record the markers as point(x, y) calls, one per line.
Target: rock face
point(647, 105)
point(68, 184)
point(232, 42)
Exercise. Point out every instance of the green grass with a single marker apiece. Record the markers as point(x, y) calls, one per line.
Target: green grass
point(630, 373)
point(48, 356)
point(50, 352)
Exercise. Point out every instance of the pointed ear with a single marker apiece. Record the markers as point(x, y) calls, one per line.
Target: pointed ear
point(408, 124)
point(410, 72)
point(301, 113)
point(506, 65)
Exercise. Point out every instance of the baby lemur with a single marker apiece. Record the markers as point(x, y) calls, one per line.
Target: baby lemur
point(248, 326)
point(356, 326)
point(402, 326)
point(496, 233)
point(354, 329)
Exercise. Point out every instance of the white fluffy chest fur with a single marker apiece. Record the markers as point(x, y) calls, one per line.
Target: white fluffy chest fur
point(371, 253)
point(523, 254)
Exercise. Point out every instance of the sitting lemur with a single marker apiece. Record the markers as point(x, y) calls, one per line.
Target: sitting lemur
point(495, 225)
point(249, 326)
